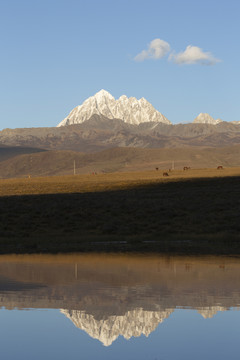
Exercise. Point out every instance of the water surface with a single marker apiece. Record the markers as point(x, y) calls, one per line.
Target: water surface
point(119, 307)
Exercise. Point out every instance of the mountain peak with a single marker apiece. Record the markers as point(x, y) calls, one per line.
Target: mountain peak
point(103, 94)
point(133, 323)
point(130, 110)
point(204, 118)
point(123, 97)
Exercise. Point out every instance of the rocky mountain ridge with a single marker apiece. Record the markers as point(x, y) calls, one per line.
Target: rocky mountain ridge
point(100, 133)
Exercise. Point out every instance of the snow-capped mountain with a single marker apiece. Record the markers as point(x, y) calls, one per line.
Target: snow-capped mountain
point(209, 312)
point(130, 110)
point(204, 118)
point(132, 324)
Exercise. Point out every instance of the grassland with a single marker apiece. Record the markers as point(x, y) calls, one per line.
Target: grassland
point(194, 211)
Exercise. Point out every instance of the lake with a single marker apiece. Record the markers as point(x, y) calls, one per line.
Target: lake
point(119, 306)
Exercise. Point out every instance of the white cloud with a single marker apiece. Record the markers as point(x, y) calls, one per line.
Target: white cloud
point(156, 50)
point(193, 55)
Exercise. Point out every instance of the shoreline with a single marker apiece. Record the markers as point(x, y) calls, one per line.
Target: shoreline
point(206, 246)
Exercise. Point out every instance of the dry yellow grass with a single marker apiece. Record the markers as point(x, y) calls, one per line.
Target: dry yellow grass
point(104, 182)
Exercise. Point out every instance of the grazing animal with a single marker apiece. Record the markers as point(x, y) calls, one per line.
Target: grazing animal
point(186, 168)
point(220, 167)
point(157, 169)
point(165, 174)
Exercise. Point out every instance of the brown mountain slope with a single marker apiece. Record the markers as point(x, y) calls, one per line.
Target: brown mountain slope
point(100, 133)
point(7, 152)
point(118, 159)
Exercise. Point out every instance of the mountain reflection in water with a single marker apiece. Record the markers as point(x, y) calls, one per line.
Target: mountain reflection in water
point(112, 295)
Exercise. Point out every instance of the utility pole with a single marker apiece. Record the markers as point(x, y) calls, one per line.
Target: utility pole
point(74, 167)
point(76, 271)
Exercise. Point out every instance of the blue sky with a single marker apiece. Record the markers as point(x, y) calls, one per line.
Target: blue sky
point(55, 54)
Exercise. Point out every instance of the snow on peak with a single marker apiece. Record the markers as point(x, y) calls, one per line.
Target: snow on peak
point(133, 323)
point(103, 94)
point(123, 97)
point(209, 312)
point(143, 100)
point(130, 110)
point(204, 118)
